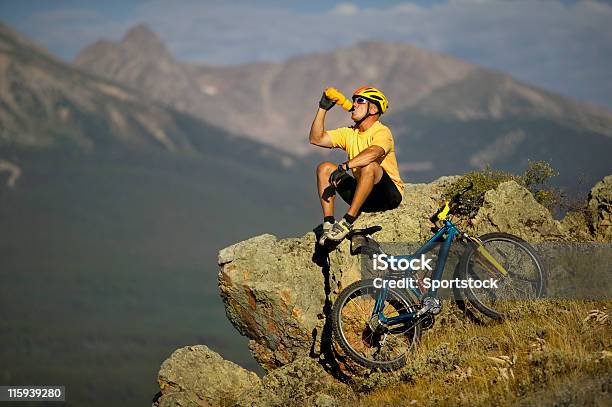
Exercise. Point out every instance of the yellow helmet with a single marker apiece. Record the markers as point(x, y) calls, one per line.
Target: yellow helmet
point(373, 95)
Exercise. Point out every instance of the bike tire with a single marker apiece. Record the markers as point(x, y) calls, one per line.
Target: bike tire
point(499, 303)
point(345, 328)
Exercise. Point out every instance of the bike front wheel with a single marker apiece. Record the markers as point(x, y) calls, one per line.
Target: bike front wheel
point(525, 279)
point(357, 331)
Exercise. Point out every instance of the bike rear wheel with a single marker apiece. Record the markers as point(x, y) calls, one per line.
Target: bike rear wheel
point(382, 348)
point(525, 281)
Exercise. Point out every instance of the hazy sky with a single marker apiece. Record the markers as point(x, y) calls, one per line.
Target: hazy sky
point(561, 45)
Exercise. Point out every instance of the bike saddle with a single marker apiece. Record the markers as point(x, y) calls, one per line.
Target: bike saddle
point(362, 244)
point(366, 231)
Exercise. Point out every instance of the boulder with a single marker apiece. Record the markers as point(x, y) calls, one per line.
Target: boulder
point(276, 293)
point(600, 210)
point(197, 376)
point(577, 226)
point(512, 208)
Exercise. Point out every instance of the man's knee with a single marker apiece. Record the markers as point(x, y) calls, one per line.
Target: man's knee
point(326, 168)
point(371, 167)
point(372, 170)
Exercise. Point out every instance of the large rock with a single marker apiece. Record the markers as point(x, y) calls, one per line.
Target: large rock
point(512, 208)
point(197, 376)
point(276, 294)
point(577, 226)
point(600, 210)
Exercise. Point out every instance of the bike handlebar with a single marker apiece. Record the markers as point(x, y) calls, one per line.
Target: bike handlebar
point(458, 195)
point(450, 206)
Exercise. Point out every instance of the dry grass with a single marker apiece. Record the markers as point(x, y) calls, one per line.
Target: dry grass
point(462, 363)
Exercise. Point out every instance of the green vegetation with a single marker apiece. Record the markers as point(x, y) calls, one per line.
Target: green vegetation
point(535, 179)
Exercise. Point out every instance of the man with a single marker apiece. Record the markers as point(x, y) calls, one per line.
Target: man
point(377, 185)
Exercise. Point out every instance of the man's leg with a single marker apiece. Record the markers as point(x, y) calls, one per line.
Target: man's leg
point(370, 175)
point(326, 193)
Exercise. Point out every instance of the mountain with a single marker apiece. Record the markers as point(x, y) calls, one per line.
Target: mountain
point(47, 103)
point(281, 92)
point(438, 105)
point(505, 125)
point(113, 207)
point(271, 102)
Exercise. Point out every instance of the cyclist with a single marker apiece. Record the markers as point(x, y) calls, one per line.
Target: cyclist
point(376, 185)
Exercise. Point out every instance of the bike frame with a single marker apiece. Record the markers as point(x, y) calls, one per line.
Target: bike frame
point(451, 231)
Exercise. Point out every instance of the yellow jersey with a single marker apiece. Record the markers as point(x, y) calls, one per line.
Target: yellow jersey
point(354, 142)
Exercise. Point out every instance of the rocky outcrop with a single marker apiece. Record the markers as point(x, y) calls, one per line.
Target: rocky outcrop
point(512, 208)
point(600, 210)
point(576, 225)
point(197, 376)
point(279, 292)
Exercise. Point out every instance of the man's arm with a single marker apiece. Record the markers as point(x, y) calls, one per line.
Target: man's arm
point(318, 135)
point(370, 154)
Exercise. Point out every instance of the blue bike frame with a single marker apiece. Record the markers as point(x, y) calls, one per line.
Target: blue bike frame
point(451, 231)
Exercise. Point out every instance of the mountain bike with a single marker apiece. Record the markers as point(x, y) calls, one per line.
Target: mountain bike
point(378, 324)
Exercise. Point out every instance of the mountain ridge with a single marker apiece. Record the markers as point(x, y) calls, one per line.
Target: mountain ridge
point(272, 84)
point(279, 95)
point(47, 103)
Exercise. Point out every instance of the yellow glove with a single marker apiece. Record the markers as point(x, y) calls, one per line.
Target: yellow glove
point(333, 93)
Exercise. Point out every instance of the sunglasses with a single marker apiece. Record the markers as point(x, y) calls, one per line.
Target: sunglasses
point(359, 100)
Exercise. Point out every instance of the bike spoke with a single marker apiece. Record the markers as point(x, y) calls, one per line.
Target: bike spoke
point(522, 282)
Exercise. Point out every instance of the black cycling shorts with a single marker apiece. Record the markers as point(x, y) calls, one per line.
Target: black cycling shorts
point(384, 195)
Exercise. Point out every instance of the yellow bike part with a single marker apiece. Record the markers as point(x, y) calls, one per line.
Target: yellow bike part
point(333, 93)
point(485, 258)
point(444, 213)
